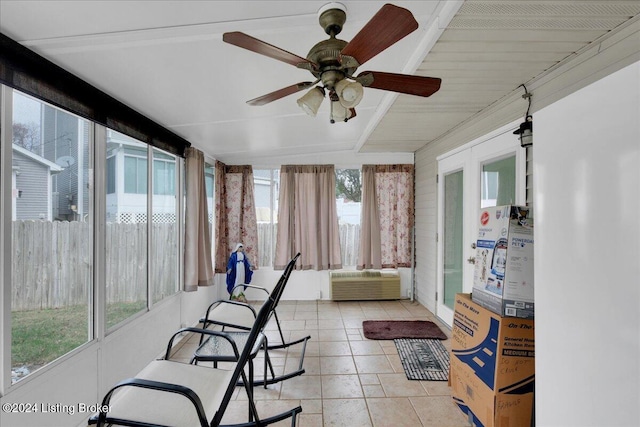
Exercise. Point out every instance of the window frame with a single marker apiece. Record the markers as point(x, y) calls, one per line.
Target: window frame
point(96, 300)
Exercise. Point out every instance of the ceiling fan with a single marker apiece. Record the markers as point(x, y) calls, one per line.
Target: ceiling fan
point(333, 62)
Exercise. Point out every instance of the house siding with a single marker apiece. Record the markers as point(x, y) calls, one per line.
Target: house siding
point(61, 138)
point(32, 180)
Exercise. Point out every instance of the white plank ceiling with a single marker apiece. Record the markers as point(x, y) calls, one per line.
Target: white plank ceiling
point(167, 60)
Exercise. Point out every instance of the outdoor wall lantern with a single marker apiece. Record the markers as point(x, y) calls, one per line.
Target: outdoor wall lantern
point(526, 128)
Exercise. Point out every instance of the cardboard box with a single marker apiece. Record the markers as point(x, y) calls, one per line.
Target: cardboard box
point(492, 366)
point(503, 274)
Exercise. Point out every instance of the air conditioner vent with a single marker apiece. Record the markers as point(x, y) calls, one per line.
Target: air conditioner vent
point(364, 285)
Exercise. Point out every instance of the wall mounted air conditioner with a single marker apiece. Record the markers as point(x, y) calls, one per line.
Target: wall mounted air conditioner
point(364, 285)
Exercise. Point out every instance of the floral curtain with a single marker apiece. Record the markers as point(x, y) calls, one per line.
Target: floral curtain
point(198, 270)
point(236, 220)
point(394, 201)
point(308, 218)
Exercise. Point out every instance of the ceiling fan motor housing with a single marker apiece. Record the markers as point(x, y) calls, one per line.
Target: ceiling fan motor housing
point(326, 53)
point(332, 17)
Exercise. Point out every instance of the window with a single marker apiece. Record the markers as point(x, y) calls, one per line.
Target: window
point(126, 228)
point(111, 175)
point(498, 184)
point(267, 184)
point(164, 174)
point(348, 204)
point(52, 229)
point(135, 175)
point(209, 176)
point(164, 227)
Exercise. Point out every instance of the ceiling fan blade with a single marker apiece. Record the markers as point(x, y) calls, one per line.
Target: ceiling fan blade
point(402, 83)
point(389, 25)
point(245, 41)
point(280, 93)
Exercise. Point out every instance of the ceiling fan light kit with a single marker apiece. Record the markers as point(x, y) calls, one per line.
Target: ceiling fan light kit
point(339, 113)
point(350, 93)
point(333, 62)
point(311, 101)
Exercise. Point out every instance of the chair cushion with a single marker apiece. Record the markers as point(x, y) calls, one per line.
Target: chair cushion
point(232, 314)
point(166, 408)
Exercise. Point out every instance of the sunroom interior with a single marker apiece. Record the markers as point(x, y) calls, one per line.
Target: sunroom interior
point(101, 100)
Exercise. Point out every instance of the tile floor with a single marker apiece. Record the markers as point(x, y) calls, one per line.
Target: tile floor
point(349, 380)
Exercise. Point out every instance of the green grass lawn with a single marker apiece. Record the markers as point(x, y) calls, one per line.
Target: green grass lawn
point(41, 336)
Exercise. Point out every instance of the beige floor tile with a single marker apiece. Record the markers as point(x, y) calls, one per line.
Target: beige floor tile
point(373, 364)
point(306, 305)
point(309, 420)
point(354, 313)
point(272, 392)
point(336, 365)
point(373, 390)
point(311, 365)
point(353, 322)
point(274, 338)
point(335, 348)
point(395, 361)
point(375, 313)
point(332, 335)
point(341, 387)
point(271, 408)
point(345, 413)
point(395, 412)
point(369, 379)
point(331, 324)
point(305, 315)
point(333, 313)
point(439, 411)
point(285, 314)
point(349, 380)
point(361, 348)
point(436, 388)
point(302, 387)
point(310, 325)
point(311, 406)
point(286, 305)
point(397, 385)
point(236, 412)
point(293, 325)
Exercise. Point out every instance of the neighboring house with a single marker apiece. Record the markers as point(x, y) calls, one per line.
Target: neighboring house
point(127, 188)
point(64, 139)
point(61, 139)
point(33, 200)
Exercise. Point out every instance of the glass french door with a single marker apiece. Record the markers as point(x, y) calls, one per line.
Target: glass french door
point(483, 174)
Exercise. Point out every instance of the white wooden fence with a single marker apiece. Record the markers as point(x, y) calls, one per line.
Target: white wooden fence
point(349, 242)
point(52, 263)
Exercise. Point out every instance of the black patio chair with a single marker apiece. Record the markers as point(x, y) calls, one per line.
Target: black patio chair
point(239, 315)
point(216, 349)
point(170, 393)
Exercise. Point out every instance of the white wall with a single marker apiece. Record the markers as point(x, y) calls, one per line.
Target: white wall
point(85, 376)
point(308, 284)
point(587, 252)
point(617, 50)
